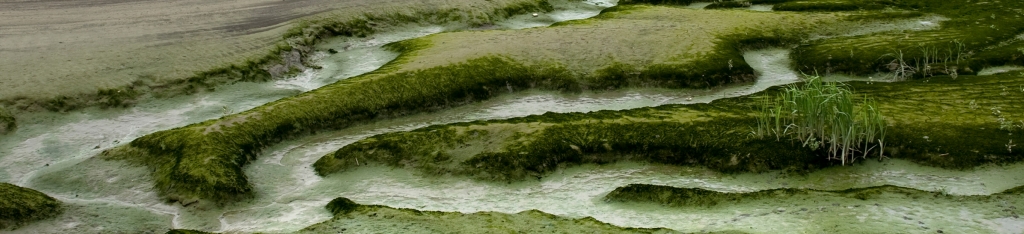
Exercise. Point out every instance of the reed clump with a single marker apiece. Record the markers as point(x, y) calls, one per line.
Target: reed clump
point(823, 115)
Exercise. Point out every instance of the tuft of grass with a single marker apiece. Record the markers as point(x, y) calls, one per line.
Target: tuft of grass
point(823, 115)
point(20, 205)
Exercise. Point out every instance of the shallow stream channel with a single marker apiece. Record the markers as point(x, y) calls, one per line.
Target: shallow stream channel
point(53, 153)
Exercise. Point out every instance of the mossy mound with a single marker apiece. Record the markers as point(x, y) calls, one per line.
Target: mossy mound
point(186, 231)
point(716, 136)
point(832, 5)
point(697, 197)
point(661, 2)
point(714, 3)
point(341, 205)
point(953, 123)
point(728, 4)
point(887, 207)
point(376, 218)
point(353, 217)
point(945, 122)
point(977, 35)
point(19, 205)
point(204, 160)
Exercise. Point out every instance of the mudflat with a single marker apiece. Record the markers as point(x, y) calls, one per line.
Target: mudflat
point(51, 48)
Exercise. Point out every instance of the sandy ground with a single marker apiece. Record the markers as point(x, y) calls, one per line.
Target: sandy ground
point(68, 47)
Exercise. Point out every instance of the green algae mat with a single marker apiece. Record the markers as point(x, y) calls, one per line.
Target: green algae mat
point(886, 208)
point(944, 122)
point(20, 205)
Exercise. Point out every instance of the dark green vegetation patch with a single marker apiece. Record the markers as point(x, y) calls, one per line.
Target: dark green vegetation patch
point(977, 34)
point(949, 123)
point(728, 4)
point(721, 142)
point(19, 205)
point(697, 197)
point(352, 217)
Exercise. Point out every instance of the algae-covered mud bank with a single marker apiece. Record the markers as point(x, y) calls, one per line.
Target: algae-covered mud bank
point(535, 116)
point(886, 208)
point(939, 126)
point(350, 216)
point(977, 35)
point(19, 205)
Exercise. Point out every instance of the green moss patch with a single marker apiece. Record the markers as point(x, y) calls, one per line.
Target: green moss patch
point(661, 2)
point(1010, 52)
point(954, 123)
point(816, 6)
point(975, 36)
point(19, 205)
point(696, 197)
point(532, 149)
point(728, 4)
point(945, 122)
point(375, 218)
